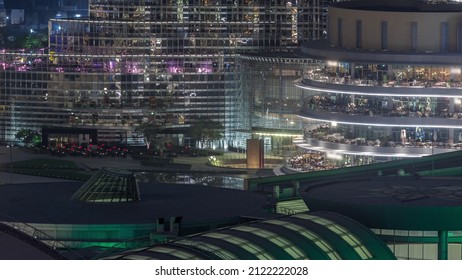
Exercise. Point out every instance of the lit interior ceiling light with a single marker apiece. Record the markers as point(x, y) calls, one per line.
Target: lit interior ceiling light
point(332, 63)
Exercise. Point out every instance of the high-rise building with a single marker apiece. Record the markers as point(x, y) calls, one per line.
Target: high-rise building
point(36, 13)
point(158, 62)
point(3, 17)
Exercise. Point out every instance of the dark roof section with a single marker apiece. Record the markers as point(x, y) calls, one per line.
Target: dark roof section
point(406, 203)
point(38, 203)
point(319, 236)
point(400, 6)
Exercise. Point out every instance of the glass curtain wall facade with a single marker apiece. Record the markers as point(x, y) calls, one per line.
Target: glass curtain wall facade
point(3, 17)
point(157, 62)
point(419, 245)
point(270, 102)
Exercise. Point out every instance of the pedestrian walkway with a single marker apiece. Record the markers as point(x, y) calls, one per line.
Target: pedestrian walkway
point(278, 171)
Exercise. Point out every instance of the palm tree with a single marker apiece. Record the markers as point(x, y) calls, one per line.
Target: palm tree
point(205, 130)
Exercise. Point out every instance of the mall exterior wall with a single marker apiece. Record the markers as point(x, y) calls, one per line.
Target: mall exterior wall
point(346, 19)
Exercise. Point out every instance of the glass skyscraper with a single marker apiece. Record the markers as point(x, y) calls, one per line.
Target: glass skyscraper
point(2, 13)
point(158, 62)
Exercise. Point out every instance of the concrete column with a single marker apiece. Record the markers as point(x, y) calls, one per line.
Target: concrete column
point(276, 192)
point(442, 245)
point(352, 99)
point(296, 186)
point(389, 133)
point(389, 130)
point(451, 135)
point(451, 104)
point(390, 103)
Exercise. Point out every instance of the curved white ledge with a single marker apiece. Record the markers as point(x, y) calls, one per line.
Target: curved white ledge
point(380, 121)
point(417, 91)
point(347, 149)
point(321, 49)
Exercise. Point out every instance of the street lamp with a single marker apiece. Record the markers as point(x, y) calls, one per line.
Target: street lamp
point(10, 147)
point(11, 153)
point(434, 138)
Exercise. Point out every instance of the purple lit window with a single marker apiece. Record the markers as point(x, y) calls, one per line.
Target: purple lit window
point(112, 65)
point(133, 67)
point(174, 67)
point(205, 67)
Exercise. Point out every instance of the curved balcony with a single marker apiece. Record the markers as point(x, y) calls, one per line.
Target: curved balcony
point(330, 86)
point(365, 150)
point(369, 120)
point(321, 49)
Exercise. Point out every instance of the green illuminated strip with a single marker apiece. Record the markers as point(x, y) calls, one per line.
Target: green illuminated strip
point(344, 233)
point(295, 206)
point(316, 239)
point(254, 249)
point(281, 242)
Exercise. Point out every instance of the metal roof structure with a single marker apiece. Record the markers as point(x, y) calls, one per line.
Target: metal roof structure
point(318, 236)
point(109, 185)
